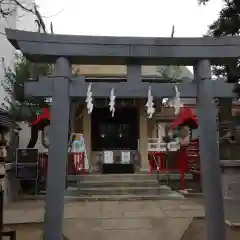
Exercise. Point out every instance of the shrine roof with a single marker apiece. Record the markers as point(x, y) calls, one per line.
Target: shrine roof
point(42, 47)
point(6, 121)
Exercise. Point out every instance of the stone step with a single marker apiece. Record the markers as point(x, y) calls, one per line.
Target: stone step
point(127, 197)
point(69, 197)
point(115, 183)
point(118, 191)
point(128, 177)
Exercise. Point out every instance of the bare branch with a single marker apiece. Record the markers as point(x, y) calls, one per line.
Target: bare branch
point(39, 20)
point(203, 2)
point(54, 15)
point(18, 3)
point(8, 7)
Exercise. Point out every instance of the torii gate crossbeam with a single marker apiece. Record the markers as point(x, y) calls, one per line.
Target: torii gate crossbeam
point(78, 88)
point(63, 50)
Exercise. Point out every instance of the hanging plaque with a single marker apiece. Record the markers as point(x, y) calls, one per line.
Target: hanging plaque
point(108, 157)
point(125, 157)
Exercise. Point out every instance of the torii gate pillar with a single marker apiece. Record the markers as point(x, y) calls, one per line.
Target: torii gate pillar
point(209, 154)
point(58, 151)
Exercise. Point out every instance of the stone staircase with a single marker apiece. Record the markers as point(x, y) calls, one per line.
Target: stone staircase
point(119, 187)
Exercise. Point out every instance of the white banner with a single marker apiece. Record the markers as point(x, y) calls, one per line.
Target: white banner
point(108, 157)
point(125, 157)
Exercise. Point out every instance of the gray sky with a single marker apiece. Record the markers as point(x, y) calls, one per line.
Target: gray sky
point(130, 17)
point(153, 18)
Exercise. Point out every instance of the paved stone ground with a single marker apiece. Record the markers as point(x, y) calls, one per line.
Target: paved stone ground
point(197, 230)
point(155, 220)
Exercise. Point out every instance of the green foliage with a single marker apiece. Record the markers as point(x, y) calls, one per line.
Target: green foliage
point(169, 72)
point(227, 24)
point(13, 83)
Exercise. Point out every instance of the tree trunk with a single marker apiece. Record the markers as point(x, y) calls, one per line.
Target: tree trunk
point(226, 125)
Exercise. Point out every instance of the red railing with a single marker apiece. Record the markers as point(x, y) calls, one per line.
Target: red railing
point(187, 157)
point(74, 166)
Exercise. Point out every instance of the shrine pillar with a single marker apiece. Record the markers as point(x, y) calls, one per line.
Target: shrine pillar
point(143, 137)
point(209, 152)
point(58, 151)
point(73, 110)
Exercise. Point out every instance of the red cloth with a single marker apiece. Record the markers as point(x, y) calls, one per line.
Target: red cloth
point(185, 116)
point(45, 115)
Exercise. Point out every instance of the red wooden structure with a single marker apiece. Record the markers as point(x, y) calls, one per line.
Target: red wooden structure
point(43, 116)
point(75, 160)
point(188, 156)
point(75, 164)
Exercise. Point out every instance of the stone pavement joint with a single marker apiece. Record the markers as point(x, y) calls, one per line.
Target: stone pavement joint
point(113, 220)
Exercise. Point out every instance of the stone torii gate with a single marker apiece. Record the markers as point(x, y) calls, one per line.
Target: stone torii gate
point(64, 50)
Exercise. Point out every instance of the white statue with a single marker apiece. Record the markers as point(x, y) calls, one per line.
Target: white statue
point(112, 102)
point(150, 104)
point(89, 99)
point(176, 103)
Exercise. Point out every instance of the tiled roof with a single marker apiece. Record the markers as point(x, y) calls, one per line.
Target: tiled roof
point(6, 121)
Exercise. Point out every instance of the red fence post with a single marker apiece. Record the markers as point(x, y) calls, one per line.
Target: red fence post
point(83, 163)
point(150, 163)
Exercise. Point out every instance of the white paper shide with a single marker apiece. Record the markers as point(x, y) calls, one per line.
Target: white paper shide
point(150, 104)
point(112, 102)
point(176, 102)
point(89, 99)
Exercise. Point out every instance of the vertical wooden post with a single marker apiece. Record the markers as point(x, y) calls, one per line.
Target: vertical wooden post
point(209, 153)
point(58, 152)
point(87, 133)
point(143, 137)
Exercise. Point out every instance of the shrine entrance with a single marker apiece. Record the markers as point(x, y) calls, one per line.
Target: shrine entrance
point(114, 133)
point(63, 50)
point(117, 135)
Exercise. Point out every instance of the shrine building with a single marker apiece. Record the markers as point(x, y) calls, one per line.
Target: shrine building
point(129, 129)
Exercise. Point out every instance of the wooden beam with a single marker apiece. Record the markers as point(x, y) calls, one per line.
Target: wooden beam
point(38, 88)
point(41, 47)
point(78, 88)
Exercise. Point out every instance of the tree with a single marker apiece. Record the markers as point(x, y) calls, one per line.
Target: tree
point(8, 7)
point(23, 70)
point(13, 83)
point(227, 24)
